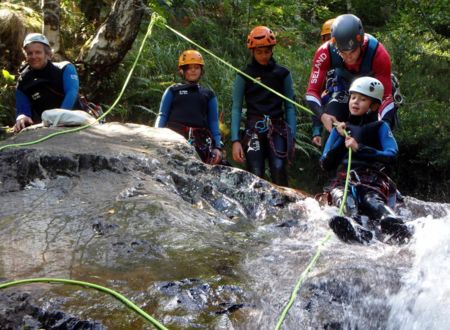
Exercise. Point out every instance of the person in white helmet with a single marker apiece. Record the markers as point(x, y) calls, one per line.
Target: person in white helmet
point(372, 194)
point(43, 84)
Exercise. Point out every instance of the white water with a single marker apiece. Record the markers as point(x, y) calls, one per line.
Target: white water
point(375, 286)
point(423, 302)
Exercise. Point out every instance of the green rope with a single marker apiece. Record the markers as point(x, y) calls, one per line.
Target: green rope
point(302, 279)
point(239, 71)
point(153, 20)
point(347, 180)
point(313, 260)
point(111, 292)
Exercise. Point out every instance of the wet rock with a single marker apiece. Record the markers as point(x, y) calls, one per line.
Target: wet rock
point(20, 311)
point(196, 295)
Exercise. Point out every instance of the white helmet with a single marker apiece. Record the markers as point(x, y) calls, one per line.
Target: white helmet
point(368, 86)
point(35, 37)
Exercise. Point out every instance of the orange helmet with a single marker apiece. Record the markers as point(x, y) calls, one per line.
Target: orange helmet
point(190, 57)
point(326, 27)
point(261, 36)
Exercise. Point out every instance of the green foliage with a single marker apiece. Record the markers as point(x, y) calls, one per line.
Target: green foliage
point(8, 77)
point(7, 82)
point(420, 55)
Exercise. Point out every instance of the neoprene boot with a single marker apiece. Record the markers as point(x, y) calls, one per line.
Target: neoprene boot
point(349, 231)
point(395, 226)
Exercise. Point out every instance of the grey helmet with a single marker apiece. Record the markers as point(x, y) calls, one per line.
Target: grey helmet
point(348, 32)
point(368, 86)
point(35, 37)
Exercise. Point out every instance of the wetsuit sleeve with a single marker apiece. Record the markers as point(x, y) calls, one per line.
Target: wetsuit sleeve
point(381, 67)
point(290, 108)
point(389, 148)
point(333, 152)
point(23, 104)
point(236, 108)
point(164, 108)
point(71, 86)
point(213, 121)
point(316, 126)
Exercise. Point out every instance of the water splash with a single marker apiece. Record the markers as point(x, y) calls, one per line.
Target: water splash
point(424, 299)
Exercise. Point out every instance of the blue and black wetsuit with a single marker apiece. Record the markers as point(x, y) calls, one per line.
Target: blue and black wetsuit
point(372, 192)
point(54, 86)
point(192, 111)
point(270, 124)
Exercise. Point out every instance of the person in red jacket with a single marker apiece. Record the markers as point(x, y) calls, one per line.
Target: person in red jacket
point(351, 53)
point(325, 35)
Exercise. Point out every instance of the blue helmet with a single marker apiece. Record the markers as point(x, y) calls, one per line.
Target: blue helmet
point(347, 32)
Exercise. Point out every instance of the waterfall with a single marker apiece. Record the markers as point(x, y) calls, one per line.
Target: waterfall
point(423, 302)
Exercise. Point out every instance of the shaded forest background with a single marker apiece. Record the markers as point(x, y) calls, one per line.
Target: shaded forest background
point(414, 32)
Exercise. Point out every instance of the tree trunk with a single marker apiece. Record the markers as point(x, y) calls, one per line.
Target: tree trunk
point(108, 47)
point(51, 14)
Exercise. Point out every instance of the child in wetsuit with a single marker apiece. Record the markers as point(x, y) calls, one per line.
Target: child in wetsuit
point(270, 123)
point(191, 109)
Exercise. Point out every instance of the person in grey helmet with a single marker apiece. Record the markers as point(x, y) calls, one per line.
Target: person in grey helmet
point(351, 53)
point(43, 84)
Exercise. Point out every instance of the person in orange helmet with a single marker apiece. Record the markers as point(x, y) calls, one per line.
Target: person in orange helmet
point(270, 123)
point(192, 110)
point(325, 32)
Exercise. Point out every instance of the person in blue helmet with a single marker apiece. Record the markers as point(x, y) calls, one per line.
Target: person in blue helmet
point(349, 54)
point(372, 194)
point(270, 123)
point(191, 109)
point(43, 84)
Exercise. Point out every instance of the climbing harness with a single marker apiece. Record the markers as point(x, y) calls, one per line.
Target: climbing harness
point(111, 292)
point(396, 93)
point(198, 137)
point(263, 125)
point(284, 131)
point(202, 141)
point(91, 108)
point(271, 127)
